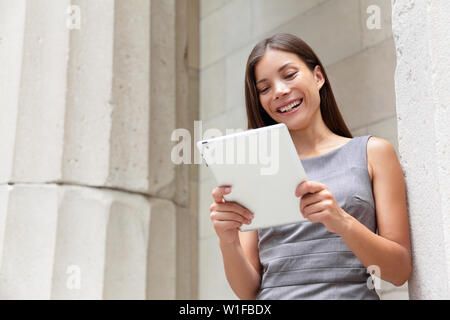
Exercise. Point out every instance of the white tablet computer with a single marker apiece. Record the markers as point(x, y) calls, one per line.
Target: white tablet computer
point(263, 169)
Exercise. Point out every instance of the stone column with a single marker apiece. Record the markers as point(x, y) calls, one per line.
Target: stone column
point(421, 31)
point(91, 205)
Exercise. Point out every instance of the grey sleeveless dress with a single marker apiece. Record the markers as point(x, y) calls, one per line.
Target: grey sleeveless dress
point(306, 261)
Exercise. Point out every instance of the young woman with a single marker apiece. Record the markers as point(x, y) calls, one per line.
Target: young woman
point(355, 188)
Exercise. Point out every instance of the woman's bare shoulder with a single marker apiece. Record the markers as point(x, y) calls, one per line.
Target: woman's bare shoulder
point(380, 152)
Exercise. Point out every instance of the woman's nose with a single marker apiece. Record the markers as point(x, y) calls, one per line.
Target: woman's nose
point(281, 89)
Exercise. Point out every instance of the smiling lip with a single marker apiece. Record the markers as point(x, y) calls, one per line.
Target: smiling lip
point(288, 103)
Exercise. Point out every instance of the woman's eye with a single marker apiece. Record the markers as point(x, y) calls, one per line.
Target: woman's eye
point(263, 90)
point(291, 75)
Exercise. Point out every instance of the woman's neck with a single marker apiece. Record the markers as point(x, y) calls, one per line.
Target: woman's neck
point(313, 140)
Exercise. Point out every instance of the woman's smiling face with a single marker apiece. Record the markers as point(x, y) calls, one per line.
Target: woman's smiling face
point(288, 90)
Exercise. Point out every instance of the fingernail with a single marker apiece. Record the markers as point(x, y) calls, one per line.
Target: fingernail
point(227, 190)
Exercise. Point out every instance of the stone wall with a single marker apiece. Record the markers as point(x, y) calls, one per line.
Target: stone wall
point(359, 59)
point(421, 31)
point(91, 205)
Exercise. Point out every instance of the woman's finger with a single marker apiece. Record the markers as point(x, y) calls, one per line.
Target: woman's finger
point(218, 193)
point(312, 198)
point(226, 225)
point(233, 207)
point(229, 216)
point(309, 187)
point(314, 208)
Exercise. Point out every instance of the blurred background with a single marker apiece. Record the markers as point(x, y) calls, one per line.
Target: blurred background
point(91, 91)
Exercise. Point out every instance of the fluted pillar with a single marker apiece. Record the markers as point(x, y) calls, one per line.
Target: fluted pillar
point(421, 32)
point(91, 205)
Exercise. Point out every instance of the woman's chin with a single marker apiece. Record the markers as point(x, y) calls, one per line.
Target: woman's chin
point(292, 123)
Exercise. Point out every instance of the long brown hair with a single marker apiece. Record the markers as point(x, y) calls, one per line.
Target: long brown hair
point(257, 117)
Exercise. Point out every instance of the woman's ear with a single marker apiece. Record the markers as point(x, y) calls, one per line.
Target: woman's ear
point(318, 77)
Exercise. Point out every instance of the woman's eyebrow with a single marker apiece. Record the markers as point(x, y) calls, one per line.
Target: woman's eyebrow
point(279, 70)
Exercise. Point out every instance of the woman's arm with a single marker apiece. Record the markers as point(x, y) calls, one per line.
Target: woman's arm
point(242, 266)
point(390, 250)
point(239, 249)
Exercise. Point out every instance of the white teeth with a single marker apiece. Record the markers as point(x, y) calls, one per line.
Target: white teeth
point(290, 106)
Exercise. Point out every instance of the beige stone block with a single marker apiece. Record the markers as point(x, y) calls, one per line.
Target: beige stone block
point(206, 228)
point(372, 12)
point(212, 283)
point(331, 29)
point(183, 190)
point(4, 197)
point(224, 31)
point(29, 242)
point(163, 99)
point(162, 260)
point(212, 90)
point(228, 121)
point(193, 39)
point(128, 158)
point(187, 173)
point(108, 144)
point(211, 42)
point(217, 124)
point(235, 65)
point(135, 121)
point(36, 38)
point(126, 248)
point(185, 116)
point(187, 253)
point(386, 129)
point(102, 237)
point(208, 6)
point(80, 247)
point(361, 131)
point(238, 26)
point(204, 172)
point(79, 105)
point(69, 242)
point(237, 118)
point(89, 102)
point(187, 243)
point(187, 93)
point(269, 14)
point(363, 85)
point(12, 17)
point(187, 34)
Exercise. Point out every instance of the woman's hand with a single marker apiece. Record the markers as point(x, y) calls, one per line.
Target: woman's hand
point(318, 205)
point(227, 217)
